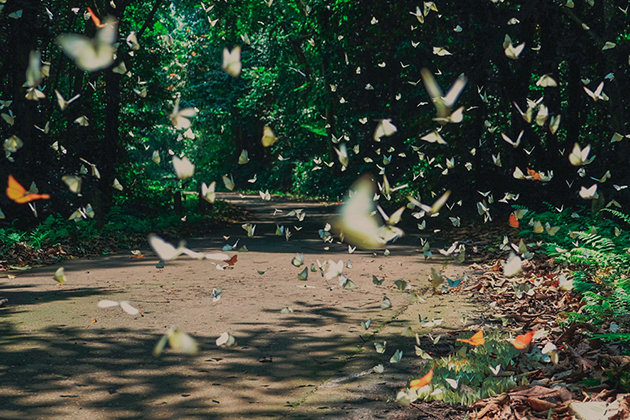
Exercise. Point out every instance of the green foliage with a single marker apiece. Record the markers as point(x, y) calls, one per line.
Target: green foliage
point(599, 254)
point(472, 368)
point(124, 229)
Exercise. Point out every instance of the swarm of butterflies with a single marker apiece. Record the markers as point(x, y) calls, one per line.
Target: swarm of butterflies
point(361, 222)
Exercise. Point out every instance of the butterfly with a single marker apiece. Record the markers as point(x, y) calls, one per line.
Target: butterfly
point(424, 381)
point(522, 341)
point(250, 229)
point(243, 158)
point(515, 143)
point(73, 182)
point(13, 144)
point(435, 208)
point(20, 195)
point(512, 266)
point(444, 104)
point(359, 226)
point(60, 276)
point(228, 182)
point(92, 54)
point(598, 94)
point(183, 167)
point(476, 340)
point(232, 260)
point(208, 192)
point(178, 340)
point(385, 128)
point(397, 357)
point(453, 283)
point(298, 260)
point(63, 104)
point(269, 138)
point(125, 305)
point(434, 137)
point(232, 61)
point(589, 193)
point(386, 303)
point(546, 81)
point(579, 156)
point(179, 117)
point(511, 51)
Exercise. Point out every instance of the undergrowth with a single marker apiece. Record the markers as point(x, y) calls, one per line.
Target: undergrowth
point(124, 228)
point(597, 249)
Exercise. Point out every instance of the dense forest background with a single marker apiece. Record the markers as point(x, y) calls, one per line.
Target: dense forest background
point(320, 74)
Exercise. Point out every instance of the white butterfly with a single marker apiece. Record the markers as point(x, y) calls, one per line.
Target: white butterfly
point(435, 208)
point(511, 51)
point(167, 252)
point(125, 305)
point(512, 266)
point(385, 128)
point(243, 158)
point(73, 182)
point(179, 118)
point(443, 104)
point(228, 182)
point(183, 167)
point(208, 192)
point(92, 54)
point(63, 104)
point(589, 193)
point(598, 94)
point(357, 222)
point(232, 61)
point(516, 143)
point(579, 156)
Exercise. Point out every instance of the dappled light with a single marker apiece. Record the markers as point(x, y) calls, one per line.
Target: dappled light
point(314, 208)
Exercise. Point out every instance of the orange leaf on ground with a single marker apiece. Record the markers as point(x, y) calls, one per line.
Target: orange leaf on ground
point(513, 221)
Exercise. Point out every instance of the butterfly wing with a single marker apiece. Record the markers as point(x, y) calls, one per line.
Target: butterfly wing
point(419, 383)
point(18, 193)
point(106, 303)
point(126, 306)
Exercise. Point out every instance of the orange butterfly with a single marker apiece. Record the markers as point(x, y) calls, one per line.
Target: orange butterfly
point(522, 341)
point(232, 260)
point(535, 175)
point(513, 220)
point(419, 383)
point(475, 340)
point(95, 19)
point(20, 195)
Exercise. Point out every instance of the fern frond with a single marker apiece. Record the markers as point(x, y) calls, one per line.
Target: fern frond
point(595, 241)
point(622, 216)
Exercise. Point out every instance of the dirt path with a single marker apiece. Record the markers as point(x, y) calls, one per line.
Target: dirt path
point(63, 357)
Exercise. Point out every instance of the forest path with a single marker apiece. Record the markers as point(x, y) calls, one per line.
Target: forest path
point(63, 357)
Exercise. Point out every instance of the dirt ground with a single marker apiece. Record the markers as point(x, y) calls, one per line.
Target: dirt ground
point(62, 357)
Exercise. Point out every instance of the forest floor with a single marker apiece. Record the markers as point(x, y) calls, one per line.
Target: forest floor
point(61, 356)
